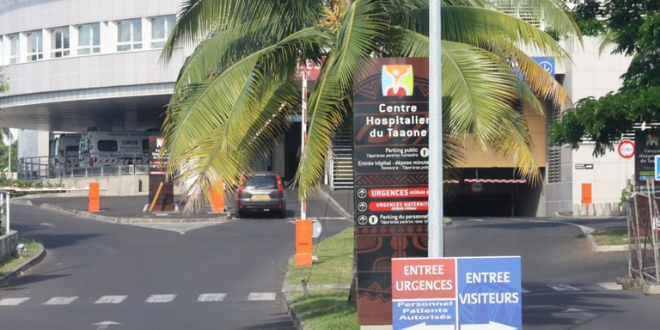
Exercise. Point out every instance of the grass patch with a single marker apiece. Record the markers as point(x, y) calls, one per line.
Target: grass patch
point(326, 310)
point(617, 236)
point(8, 263)
point(334, 264)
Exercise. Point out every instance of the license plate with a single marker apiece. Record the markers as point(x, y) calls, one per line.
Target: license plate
point(261, 197)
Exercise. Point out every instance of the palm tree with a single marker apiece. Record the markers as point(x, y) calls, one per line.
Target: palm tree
point(236, 90)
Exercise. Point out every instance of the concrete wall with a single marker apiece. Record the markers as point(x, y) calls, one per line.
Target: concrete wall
point(32, 143)
point(27, 15)
point(94, 71)
point(608, 178)
point(8, 242)
point(559, 196)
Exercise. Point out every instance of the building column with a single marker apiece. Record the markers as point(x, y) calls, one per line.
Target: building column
point(130, 120)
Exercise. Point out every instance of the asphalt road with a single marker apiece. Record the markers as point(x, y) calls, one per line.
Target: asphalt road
point(225, 276)
point(566, 285)
point(229, 276)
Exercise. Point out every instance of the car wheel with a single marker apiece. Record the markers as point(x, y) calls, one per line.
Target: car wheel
point(240, 214)
point(281, 214)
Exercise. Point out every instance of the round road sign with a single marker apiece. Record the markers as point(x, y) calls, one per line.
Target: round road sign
point(626, 149)
point(477, 187)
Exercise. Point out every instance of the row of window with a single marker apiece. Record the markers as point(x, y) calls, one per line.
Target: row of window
point(87, 39)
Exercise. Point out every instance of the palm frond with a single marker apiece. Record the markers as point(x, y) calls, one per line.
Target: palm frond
point(479, 26)
point(554, 14)
point(359, 36)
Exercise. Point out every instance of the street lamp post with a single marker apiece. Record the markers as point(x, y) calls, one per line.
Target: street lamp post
point(436, 214)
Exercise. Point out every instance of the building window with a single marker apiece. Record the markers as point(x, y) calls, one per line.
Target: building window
point(129, 35)
point(60, 42)
point(161, 27)
point(89, 39)
point(13, 49)
point(35, 46)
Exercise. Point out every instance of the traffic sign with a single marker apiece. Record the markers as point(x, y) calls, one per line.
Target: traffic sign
point(626, 149)
point(456, 293)
point(656, 165)
point(477, 187)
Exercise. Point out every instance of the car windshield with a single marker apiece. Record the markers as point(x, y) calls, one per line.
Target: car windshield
point(265, 182)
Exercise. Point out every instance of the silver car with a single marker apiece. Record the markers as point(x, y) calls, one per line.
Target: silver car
point(261, 192)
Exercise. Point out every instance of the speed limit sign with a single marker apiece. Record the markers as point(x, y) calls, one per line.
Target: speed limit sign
point(626, 149)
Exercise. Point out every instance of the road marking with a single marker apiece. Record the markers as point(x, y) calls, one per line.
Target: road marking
point(111, 300)
point(563, 287)
point(575, 310)
point(13, 301)
point(60, 300)
point(160, 298)
point(610, 286)
point(209, 297)
point(46, 224)
point(477, 220)
point(525, 290)
point(262, 296)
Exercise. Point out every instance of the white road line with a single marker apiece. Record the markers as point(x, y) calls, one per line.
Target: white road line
point(13, 301)
point(160, 298)
point(262, 296)
point(610, 286)
point(477, 220)
point(111, 300)
point(60, 300)
point(563, 287)
point(575, 310)
point(209, 297)
point(525, 290)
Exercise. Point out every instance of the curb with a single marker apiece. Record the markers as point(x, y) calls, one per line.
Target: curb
point(297, 319)
point(605, 248)
point(14, 273)
point(88, 215)
point(561, 216)
point(336, 205)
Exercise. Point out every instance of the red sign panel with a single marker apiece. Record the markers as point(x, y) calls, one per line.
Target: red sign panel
point(399, 206)
point(423, 278)
point(398, 192)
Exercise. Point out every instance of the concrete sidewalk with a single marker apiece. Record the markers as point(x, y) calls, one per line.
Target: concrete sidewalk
point(120, 209)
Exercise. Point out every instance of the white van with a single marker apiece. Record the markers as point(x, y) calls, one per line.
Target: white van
point(99, 149)
point(69, 143)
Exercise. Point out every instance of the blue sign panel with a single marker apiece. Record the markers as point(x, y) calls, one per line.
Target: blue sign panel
point(657, 167)
point(547, 63)
point(489, 293)
point(482, 293)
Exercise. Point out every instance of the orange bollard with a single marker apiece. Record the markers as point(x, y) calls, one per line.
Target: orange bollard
point(218, 198)
point(94, 197)
point(303, 242)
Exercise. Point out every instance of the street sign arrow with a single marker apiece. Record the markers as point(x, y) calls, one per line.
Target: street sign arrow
point(490, 326)
point(105, 324)
point(424, 326)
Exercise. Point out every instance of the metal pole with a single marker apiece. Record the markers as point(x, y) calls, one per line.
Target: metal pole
point(654, 234)
point(303, 131)
point(436, 212)
point(11, 177)
point(8, 216)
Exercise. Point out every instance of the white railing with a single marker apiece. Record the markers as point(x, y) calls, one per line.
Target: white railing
point(101, 164)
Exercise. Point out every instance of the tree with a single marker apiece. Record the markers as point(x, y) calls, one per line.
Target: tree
point(235, 92)
point(5, 132)
point(633, 27)
point(4, 84)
